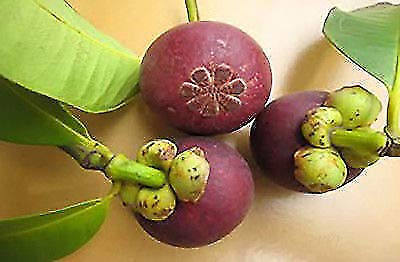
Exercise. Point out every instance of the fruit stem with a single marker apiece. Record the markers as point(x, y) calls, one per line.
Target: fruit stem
point(90, 154)
point(358, 139)
point(125, 169)
point(192, 10)
point(393, 112)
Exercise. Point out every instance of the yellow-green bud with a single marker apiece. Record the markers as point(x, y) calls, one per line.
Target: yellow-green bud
point(128, 193)
point(155, 204)
point(319, 170)
point(318, 123)
point(189, 174)
point(358, 106)
point(157, 153)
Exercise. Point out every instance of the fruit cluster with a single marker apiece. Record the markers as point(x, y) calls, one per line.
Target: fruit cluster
point(324, 140)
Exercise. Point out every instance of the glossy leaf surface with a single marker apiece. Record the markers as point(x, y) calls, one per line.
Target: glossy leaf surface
point(46, 47)
point(51, 235)
point(29, 118)
point(370, 37)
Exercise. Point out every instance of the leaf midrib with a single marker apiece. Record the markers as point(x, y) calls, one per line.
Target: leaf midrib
point(98, 201)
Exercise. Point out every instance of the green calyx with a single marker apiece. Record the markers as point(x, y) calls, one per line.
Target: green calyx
point(318, 123)
point(343, 123)
point(155, 204)
point(187, 178)
point(319, 170)
point(358, 106)
point(157, 153)
point(189, 174)
point(153, 194)
point(360, 147)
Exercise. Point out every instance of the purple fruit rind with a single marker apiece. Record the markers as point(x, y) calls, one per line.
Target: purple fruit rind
point(173, 59)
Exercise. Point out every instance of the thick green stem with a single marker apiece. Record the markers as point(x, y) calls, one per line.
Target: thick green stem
point(192, 10)
point(359, 138)
point(125, 169)
point(90, 154)
point(359, 147)
point(393, 112)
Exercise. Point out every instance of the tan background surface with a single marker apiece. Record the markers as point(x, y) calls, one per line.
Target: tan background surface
point(358, 221)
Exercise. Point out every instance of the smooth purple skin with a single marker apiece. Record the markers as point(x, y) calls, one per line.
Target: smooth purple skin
point(276, 135)
point(175, 54)
point(226, 201)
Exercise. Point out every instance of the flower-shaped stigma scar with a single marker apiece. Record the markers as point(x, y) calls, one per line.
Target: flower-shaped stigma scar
point(210, 92)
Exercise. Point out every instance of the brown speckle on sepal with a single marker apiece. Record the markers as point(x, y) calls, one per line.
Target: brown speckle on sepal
point(157, 153)
point(155, 204)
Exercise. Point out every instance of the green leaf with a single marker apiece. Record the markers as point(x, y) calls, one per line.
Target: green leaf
point(52, 235)
point(29, 118)
point(370, 37)
point(46, 47)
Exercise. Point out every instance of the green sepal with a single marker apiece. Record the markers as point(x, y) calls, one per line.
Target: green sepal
point(318, 123)
point(319, 169)
point(358, 106)
point(157, 153)
point(155, 204)
point(189, 174)
point(128, 193)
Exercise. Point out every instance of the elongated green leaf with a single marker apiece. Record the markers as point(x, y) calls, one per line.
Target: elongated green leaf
point(46, 47)
point(52, 235)
point(30, 118)
point(370, 37)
